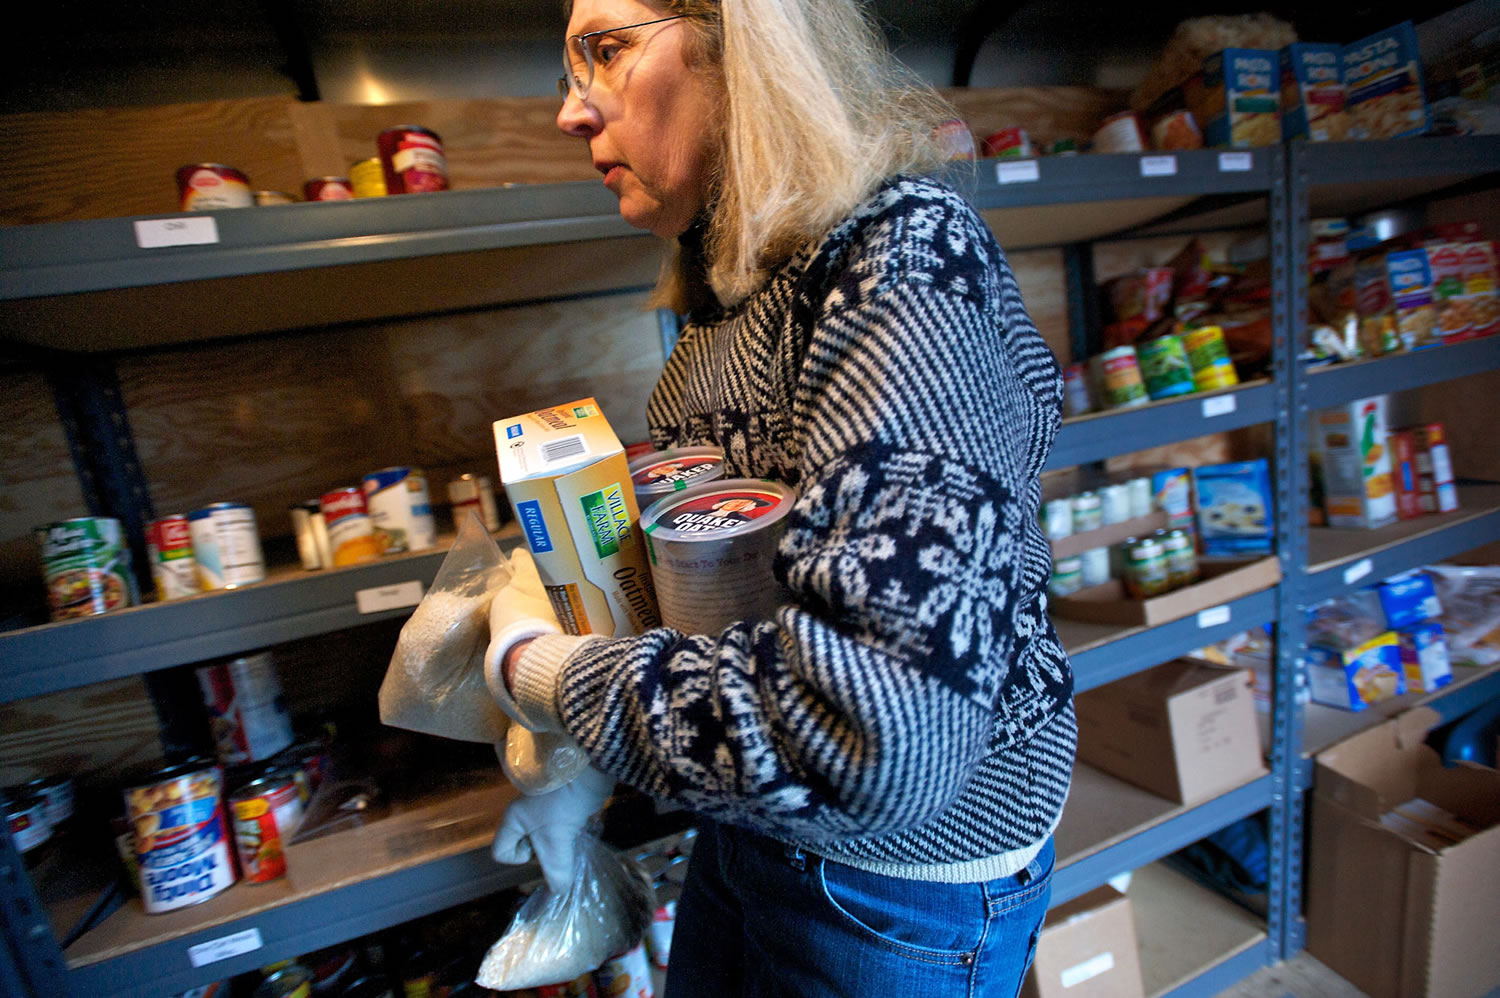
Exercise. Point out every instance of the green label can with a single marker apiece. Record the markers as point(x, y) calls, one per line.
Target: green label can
point(86, 567)
point(1164, 366)
point(1146, 567)
point(1067, 577)
point(1182, 559)
point(1208, 356)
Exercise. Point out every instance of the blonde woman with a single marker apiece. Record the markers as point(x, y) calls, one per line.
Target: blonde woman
point(880, 766)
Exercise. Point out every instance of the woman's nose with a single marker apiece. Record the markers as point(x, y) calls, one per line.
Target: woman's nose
point(578, 118)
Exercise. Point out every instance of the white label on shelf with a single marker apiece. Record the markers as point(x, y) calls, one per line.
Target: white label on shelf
point(1087, 970)
point(1358, 571)
point(225, 947)
point(1024, 172)
point(1213, 616)
point(403, 594)
point(1235, 162)
point(154, 233)
point(1219, 405)
point(1158, 166)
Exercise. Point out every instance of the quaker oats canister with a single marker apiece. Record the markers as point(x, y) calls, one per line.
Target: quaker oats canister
point(661, 473)
point(711, 548)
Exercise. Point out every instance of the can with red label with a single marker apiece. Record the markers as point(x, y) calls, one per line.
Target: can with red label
point(627, 975)
point(328, 189)
point(169, 546)
point(661, 473)
point(27, 817)
point(266, 812)
point(181, 836)
point(246, 712)
point(711, 547)
point(1008, 143)
point(351, 533)
point(411, 157)
point(209, 186)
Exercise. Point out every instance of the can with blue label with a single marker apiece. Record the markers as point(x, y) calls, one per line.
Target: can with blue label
point(400, 509)
point(226, 545)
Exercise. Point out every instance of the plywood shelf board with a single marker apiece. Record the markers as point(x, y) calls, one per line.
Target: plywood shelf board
point(1183, 929)
point(1328, 547)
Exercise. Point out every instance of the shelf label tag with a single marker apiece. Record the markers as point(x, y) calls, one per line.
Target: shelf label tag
point(225, 947)
point(154, 233)
point(402, 594)
point(1213, 617)
point(1158, 166)
point(1219, 405)
point(1024, 172)
point(1087, 970)
point(1358, 571)
point(1235, 162)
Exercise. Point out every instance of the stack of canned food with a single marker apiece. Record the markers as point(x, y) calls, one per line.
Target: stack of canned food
point(1196, 360)
point(36, 810)
point(1149, 565)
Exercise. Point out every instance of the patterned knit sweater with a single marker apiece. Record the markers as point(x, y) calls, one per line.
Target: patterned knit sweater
point(909, 710)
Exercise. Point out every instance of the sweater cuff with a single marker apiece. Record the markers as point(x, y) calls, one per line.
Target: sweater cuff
point(538, 677)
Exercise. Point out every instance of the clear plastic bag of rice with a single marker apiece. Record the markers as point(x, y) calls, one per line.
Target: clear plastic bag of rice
point(435, 682)
point(559, 937)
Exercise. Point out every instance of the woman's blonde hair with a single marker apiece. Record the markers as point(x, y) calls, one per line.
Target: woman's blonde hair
point(815, 114)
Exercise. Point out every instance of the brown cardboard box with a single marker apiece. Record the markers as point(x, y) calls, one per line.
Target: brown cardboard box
point(1222, 580)
point(1185, 730)
point(1403, 891)
point(1087, 950)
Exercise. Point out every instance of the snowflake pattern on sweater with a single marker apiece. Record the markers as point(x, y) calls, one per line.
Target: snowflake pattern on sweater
point(911, 703)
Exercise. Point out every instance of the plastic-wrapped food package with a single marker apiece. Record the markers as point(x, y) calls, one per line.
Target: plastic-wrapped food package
point(1470, 595)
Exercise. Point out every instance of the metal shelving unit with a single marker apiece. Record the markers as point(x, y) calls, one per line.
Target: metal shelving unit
point(53, 275)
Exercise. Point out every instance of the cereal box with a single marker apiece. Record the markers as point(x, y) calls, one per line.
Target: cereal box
point(1354, 678)
point(1237, 98)
point(1411, 289)
point(1404, 475)
point(1383, 85)
point(1353, 439)
point(568, 482)
point(1235, 508)
point(1312, 92)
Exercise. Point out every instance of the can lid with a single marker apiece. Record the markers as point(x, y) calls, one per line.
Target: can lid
point(672, 470)
point(709, 511)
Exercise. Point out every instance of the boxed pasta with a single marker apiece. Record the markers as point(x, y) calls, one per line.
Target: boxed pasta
point(1481, 278)
point(1410, 278)
point(1354, 676)
point(1237, 98)
point(1353, 440)
point(1383, 91)
point(568, 482)
point(1312, 92)
point(1235, 511)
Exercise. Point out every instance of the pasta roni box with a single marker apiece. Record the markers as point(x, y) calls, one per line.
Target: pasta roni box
point(568, 482)
point(1312, 92)
point(1237, 98)
point(1383, 85)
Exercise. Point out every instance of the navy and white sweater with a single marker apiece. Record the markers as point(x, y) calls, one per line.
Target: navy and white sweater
point(909, 711)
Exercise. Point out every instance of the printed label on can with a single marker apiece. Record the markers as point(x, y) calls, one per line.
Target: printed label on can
point(351, 534)
point(169, 544)
point(226, 546)
point(181, 845)
point(400, 510)
point(625, 976)
point(266, 813)
point(247, 714)
point(675, 473)
point(86, 567)
point(719, 511)
point(209, 187)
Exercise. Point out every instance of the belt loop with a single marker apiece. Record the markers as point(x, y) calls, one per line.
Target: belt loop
point(796, 857)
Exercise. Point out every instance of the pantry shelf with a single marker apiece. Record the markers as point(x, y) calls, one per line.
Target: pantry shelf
point(1340, 560)
point(290, 604)
point(1191, 940)
point(1102, 653)
point(1109, 826)
point(1098, 435)
point(1350, 178)
point(338, 887)
point(1339, 383)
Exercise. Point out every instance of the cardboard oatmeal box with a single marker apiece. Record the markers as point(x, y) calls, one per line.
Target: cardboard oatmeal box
point(1312, 92)
point(1383, 91)
point(1237, 98)
point(568, 482)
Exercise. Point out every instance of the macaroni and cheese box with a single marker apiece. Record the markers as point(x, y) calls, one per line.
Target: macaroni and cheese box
point(1383, 91)
point(1354, 442)
point(1312, 92)
point(1235, 508)
point(1410, 277)
point(1356, 677)
point(568, 482)
point(1237, 98)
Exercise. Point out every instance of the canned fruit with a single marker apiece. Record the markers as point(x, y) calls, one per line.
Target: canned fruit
point(86, 567)
point(412, 160)
point(1146, 567)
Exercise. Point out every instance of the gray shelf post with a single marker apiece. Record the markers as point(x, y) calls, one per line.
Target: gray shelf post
point(1288, 218)
point(31, 961)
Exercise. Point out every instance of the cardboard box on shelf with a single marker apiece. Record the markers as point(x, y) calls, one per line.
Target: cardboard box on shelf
point(1357, 486)
point(1087, 949)
point(1409, 598)
point(1221, 580)
point(1404, 475)
point(1312, 92)
point(1237, 98)
point(1184, 730)
point(1403, 891)
point(1425, 662)
point(568, 482)
point(1383, 91)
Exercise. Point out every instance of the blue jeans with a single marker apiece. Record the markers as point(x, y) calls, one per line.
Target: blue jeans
point(762, 920)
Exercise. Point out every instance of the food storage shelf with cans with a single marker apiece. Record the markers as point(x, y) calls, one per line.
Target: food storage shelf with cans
point(1098, 435)
point(1343, 559)
point(1337, 383)
point(291, 603)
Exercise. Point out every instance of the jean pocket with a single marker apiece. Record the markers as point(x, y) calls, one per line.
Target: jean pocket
point(921, 920)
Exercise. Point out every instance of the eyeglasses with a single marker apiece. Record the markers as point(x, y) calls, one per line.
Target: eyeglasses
point(581, 53)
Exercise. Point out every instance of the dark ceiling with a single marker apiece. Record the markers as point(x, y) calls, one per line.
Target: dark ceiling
point(137, 52)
